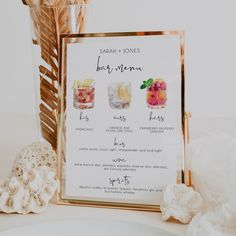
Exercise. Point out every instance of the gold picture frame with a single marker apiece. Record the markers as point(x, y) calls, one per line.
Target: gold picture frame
point(183, 173)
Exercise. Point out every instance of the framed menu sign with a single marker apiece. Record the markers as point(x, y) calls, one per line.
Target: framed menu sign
point(121, 118)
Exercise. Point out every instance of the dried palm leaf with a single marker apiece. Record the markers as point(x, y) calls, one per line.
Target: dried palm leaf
point(50, 19)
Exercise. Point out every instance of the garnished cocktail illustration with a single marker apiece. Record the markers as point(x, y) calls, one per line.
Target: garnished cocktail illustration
point(156, 93)
point(84, 94)
point(119, 95)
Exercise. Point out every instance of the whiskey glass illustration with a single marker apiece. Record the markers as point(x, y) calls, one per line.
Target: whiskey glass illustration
point(119, 94)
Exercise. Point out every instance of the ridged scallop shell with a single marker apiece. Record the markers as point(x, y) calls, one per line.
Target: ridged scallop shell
point(181, 203)
point(32, 156)
point(32, 182)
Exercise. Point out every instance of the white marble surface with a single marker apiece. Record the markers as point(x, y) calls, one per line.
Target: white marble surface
point(17, 131)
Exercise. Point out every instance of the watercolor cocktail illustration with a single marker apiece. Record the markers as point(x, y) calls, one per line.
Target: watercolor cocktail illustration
point(156, 92)
point(119, 95)
point(83, 94)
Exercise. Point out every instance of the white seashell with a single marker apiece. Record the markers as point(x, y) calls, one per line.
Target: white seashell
point(32, 182)
point(33, 195)
point(180, 202)
point(32, 156)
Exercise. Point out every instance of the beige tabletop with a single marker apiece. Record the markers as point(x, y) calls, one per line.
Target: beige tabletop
point(60, 213)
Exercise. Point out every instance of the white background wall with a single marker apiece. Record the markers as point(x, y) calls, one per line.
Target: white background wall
point(210, 48)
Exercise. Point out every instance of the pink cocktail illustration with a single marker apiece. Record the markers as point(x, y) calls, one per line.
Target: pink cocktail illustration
point(84, 93)
point(156, 94)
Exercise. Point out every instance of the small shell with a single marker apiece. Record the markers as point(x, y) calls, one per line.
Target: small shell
point(180, 202)
point(35, 155)
point(16, 196)
point(32, 182)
